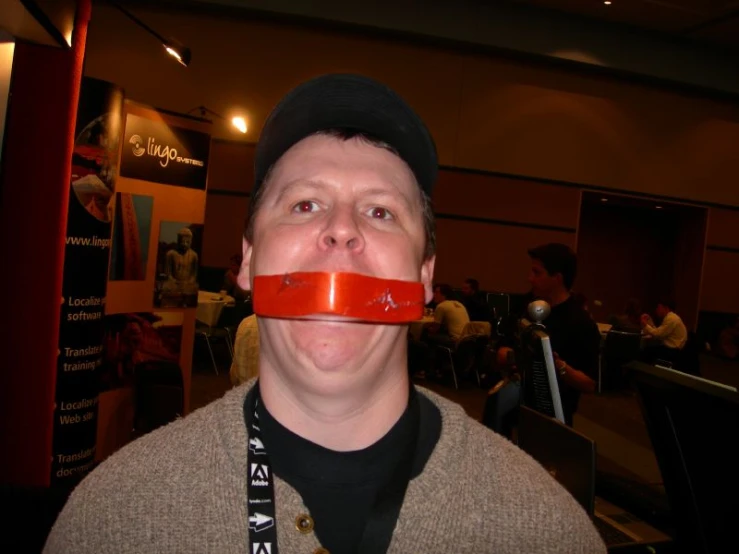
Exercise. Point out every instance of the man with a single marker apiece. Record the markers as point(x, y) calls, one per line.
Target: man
point(182, 261)
point(574, 335)
point(332, 450)
point(450, 317)
point(230, 284)
point(475, 302)
point(669, 338)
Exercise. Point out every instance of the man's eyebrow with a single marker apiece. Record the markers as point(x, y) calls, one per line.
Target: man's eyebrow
point(305, 183)
point(397, 193)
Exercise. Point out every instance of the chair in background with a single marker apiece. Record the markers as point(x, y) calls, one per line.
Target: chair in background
point(211, 333)
point(234, 315)
point(469, 350)
point(621, 347)
point(499, 304)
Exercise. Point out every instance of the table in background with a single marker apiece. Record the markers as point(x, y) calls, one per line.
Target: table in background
point(210, 306)
point(416, 327)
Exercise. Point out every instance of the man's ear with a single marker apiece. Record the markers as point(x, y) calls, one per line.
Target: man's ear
point(244, 278)
point(427, 278)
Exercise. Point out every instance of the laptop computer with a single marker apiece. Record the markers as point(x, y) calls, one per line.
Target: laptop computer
point(570, 456)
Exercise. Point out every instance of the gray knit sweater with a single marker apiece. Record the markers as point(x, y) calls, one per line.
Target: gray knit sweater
point(182, 489)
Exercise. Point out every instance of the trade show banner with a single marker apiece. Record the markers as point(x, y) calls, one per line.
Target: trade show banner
point(159, 152)
point(153, 282)
point(87, 251)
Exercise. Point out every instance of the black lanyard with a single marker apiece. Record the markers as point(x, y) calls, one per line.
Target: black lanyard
point(260, 491)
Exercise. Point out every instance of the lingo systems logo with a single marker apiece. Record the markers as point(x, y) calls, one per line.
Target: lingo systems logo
point(138, 150)
point(163, 152)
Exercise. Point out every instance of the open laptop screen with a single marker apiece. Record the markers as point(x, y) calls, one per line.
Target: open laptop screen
point(568, 455)
point(694, 428)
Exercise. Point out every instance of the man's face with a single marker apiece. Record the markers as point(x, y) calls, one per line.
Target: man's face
point(661, 311)
point(542, 284)
point(333, 205)
point(467, 289)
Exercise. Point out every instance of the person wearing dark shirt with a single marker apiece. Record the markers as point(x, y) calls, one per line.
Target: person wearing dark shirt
point(474, 301)
point(574, 335)
point(230, 280)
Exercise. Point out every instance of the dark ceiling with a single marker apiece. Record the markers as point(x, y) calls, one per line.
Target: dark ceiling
point(711, 21)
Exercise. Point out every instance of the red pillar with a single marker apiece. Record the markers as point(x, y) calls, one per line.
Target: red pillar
point(34, 196)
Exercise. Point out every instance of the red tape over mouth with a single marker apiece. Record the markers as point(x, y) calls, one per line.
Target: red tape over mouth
point(343, 294)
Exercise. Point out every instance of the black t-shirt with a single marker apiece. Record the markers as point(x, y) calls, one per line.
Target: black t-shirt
point(576, 339)
point(339, 488)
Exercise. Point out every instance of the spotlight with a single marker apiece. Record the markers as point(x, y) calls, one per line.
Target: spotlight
point(178, 51)
point(237, 121)
point(240, 123)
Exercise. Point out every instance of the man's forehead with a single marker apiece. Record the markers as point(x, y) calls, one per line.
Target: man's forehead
point(304, 162)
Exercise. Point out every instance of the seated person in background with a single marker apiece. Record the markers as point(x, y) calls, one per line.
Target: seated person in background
point(230, 284)
point(630, 319)
point(245, 364)
point(474, 301)
point(450, 317)
point(728, 341)
point(670, 337)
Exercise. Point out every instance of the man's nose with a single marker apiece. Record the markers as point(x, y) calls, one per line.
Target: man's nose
point(342, 230)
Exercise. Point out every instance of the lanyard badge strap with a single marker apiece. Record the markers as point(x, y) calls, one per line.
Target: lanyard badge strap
point(260, 489)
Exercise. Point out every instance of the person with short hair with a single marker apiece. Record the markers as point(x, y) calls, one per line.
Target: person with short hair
point(230, 280)
point(574, 335)
point(450, 316)
point(474, 301)
point(331, 449)
point(669, 337)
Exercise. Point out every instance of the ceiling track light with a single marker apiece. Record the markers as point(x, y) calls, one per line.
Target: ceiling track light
point(177, 50)
point(237, 121)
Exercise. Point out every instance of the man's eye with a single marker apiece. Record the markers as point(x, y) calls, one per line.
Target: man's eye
point(380, 213)
point(305, 207)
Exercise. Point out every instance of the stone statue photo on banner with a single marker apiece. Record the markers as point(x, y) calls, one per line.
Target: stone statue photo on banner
point(178, 260)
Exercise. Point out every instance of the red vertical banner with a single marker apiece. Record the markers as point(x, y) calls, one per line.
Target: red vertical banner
point(38, 143)
point(87, 250)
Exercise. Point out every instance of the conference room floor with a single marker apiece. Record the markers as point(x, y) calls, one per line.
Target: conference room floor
point(612, 419)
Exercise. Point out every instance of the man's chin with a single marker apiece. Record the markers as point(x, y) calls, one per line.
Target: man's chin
point(332, 344)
